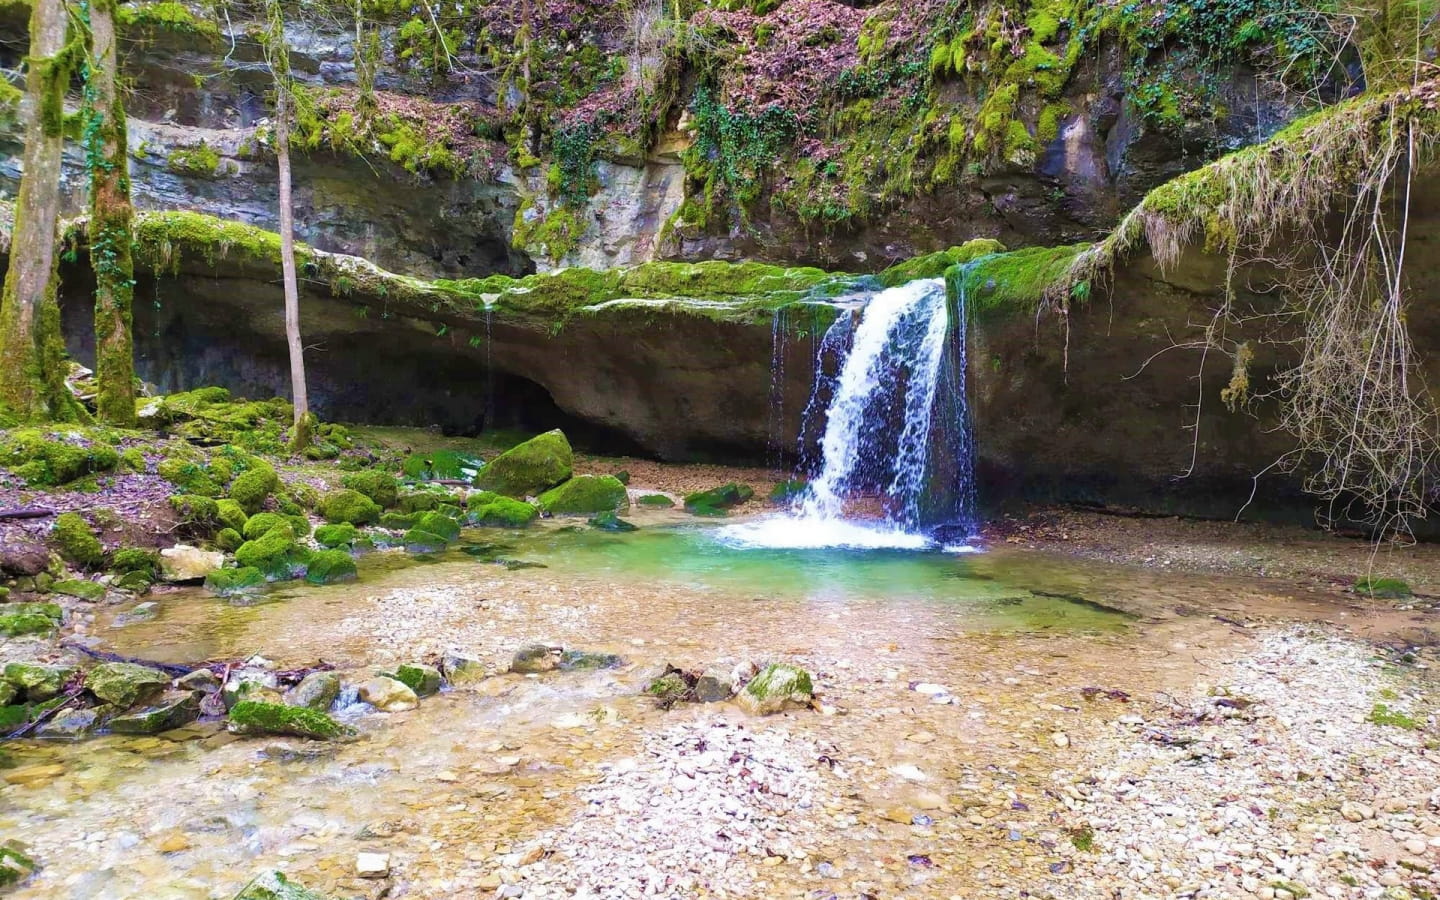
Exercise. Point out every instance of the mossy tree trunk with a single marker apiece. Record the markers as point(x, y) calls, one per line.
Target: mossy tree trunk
point(110, 223)
point(279, 58)
point(32, 351)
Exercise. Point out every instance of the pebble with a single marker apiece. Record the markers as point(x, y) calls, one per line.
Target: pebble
point(372, 865)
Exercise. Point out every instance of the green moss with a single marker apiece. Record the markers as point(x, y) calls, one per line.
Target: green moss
point(228, 540)
point(420, 501)
point(231, 514)
point(168, 16)
point(1383, 588)
point(132, 460)
point(716, 501)
point(422, 679)
point(1384, 715)
point(190, 476)
point(530, 467)
point(200, 513)
point(438, 523)
point(275, 886)
point(47, 459)
point(332, 536)
point(236, 582)
point(420, 541)
point(251, 489)
point(503, 512)
point(555, 235)
point(398, 521)
point(75, 541)
point(201, 160)
point(586, 494)
point(136, 559)
point(349, 506)
point(29, 618)
point(655, 501)
point(381, 487)
point(1015, 282)
point(935, 265)
point(80, 589)
point(276, 554)
point(1082, 838)
point(331, 567)
point(254, 717)
point(610, 521)
point(261, 524)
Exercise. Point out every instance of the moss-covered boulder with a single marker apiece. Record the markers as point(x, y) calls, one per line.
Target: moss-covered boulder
point(252, 717)
point(381, 487)
point(503, 512)
point(440, 524)
point(169, 711)
point(334, 536)
point(716, 501)
point(350, 506)
point(399, 521)
point(37, 681)
point(421, 501)
point(586, 494)
point(16, 865)
point(777, 686)
point(442, 465)
point(252, 488)
point(610, 521)
point(417, 540)
point(529, 468)
point(191, 476)
point(49, 459)
point(331, 567)
point(317, 691)
point(123, 685)
point(655, 501)
point(423, 679)
point(80, 589)
point(29, 618)
point(231, 514)
point(276, 554)
point(263, 523)
point(229, 540)
point(136, 559)
point(236, 582)
point(73, 540)
point(197, 512)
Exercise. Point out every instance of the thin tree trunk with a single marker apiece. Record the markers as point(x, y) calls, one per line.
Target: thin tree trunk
point(32, 351)
point(301, 436)
point(110, 221)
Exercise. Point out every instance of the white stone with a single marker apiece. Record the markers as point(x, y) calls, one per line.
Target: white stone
point(372, 865)
point(184, 563)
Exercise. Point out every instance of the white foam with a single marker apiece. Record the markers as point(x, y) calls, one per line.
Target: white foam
point(818, 533)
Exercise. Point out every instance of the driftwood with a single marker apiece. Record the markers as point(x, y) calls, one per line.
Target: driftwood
point(171, 669)
point(43, 717)
point(26, 512)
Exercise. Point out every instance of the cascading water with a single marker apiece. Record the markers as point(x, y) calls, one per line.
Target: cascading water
point(896, 429)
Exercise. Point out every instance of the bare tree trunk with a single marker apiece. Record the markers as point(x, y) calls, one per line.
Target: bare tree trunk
point(32, 351)
point(301, 436)
point(278, 55)
point(110, 220)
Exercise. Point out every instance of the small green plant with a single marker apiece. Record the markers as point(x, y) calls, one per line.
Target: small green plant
point(1382, 714)
point(1083, 838)
point(1383, 588)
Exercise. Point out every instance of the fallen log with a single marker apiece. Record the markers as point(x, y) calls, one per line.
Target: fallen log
point(26, 512)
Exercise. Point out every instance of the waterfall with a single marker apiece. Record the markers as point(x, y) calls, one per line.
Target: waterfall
point(896, 430)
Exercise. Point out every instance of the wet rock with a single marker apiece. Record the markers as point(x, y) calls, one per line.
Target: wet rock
point(331, 567)
point(250, 684)
point(16, 864)
point(572, 660)
point(532, 659)
point(717, 501)
point(714, 685)
point(252, 717)
point(182, 563)
point(457, 666)
point(32, 775)
point(388, 695)
point(586, 494)
point(70, 724)
point(317, 690)
point(202, 680)
point(123, 685)
point(170, 711)
point(236, 582)
point(29, 618)
point(22, 556)
point(275, 886)
point(609, 521)
point(422, 679)
point(777, 686)
point(36, 681)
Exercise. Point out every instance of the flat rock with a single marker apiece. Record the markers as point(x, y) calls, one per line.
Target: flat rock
point(388, 695)
point(182, 563)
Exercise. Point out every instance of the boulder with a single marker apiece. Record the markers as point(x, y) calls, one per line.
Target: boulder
point(777, 686)
point(29, 618)
point(123, 685)
point(458, 666)
point(236, 582)
point(440, 465)
point(714, 685)
point(532, 659)
point(388, 694)
point(183, 563)
point(503, 512)
point(203, 680)
point(529, 468)
point(586, 494)
point(572, 660)
point(276, 554)
point(331, 567)
point(22, 556)
point(609, 521)
point(350, 506)
point(250, 717)
point(333, 536)
point(275, 886)
point(69, 725)
point(418, 540)
point(422, 679)
point(172, 710)
point(38, 682)
point(80, 589)
point(317, 691)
